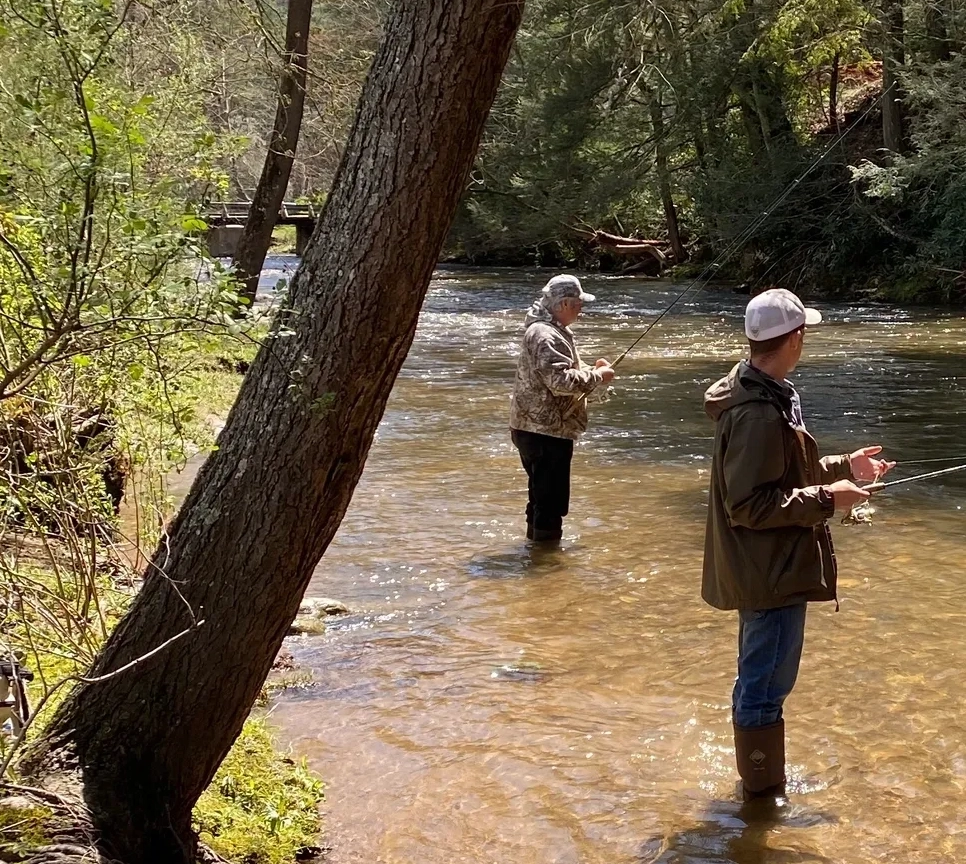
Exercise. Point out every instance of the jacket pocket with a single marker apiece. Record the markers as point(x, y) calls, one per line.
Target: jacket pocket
point(798, 568)
point(781, 561)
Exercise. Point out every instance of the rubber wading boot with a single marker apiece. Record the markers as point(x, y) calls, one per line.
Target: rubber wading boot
point(760, 753)
point(541, 535)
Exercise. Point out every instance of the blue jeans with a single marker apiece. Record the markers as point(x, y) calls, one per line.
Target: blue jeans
point(769, 652)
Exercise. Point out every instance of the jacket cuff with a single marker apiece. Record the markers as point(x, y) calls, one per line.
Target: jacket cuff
point(827, 500)
point(838, 467)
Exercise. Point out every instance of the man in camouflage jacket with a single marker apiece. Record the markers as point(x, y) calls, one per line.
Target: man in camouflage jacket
point(548, 411)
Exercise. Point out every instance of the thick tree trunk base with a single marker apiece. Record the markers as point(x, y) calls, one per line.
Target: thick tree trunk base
point(69, 827)
point(59, 811)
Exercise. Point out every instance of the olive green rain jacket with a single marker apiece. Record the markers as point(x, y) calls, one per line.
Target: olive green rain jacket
point(767, 542)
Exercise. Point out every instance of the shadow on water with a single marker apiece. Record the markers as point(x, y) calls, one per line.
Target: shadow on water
point(926, 354)
point(524, 559)
point(730, 832)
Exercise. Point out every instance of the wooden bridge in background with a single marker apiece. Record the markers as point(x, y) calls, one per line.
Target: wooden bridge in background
point(226, 221)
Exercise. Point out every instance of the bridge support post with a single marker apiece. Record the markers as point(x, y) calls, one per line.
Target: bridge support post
point(223, 240)
point(303, 233)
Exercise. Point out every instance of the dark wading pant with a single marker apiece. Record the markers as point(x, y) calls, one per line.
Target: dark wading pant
point(547, 462)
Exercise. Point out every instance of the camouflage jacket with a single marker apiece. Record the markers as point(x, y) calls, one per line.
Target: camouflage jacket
point(550, 379)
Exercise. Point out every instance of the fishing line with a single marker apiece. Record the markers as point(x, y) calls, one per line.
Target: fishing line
point(745, 235)
point(742, 238)
point(861, 513)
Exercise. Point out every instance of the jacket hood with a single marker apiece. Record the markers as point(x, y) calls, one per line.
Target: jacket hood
point(538, 312)
point(743, 384)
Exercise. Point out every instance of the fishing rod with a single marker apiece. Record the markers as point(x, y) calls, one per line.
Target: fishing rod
point(932, 461)
point(744, 236)
point(876, 487)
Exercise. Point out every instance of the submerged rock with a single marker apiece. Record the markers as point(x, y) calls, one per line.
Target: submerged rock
point(528, 672)
point(319, 607)
point(312, 615)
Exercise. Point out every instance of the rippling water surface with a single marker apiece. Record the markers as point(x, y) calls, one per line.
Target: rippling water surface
point(485, 702)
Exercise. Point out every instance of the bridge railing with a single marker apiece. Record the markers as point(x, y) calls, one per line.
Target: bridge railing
point(236, 212)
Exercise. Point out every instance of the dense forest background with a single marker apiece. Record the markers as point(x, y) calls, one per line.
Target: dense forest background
point(618, 123)
point(689, 119)
point(676, 123)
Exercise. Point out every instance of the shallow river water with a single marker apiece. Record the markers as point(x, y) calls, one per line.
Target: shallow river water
point(441, 743)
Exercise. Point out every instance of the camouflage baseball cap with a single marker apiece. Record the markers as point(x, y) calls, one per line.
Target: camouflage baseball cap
point(566, 286)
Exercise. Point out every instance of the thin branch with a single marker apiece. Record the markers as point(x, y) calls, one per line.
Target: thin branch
point(138, 660)
point(18, 740)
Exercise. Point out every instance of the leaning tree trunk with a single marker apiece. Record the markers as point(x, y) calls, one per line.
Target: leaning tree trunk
point(270, 192)
point(664, 177)
point(893, 57)
point(143, 744)
point(833, 94)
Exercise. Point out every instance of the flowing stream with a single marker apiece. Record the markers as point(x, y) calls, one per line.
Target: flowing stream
point(485, 702)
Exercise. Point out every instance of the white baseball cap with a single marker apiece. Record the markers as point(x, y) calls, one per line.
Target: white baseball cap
point(776, 312)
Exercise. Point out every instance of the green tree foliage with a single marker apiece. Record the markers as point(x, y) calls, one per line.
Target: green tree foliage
point(106, 307)
point(99, 179)
point(567, 141)
point(114, 329)
point(105, 300)
point(749, 93)
point(919, 200)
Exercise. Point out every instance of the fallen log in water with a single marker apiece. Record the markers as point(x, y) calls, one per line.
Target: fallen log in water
point(630, 247)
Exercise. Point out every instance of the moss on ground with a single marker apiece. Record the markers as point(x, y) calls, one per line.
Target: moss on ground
point(263, 806)
point(22, 827)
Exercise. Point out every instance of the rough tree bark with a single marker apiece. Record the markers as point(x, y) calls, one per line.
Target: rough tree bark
point(270, 192)
point(140, 747)
point(938, 47)
point(893, 58)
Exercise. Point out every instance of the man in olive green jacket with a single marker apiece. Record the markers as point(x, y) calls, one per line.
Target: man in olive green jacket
point(768, 549)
